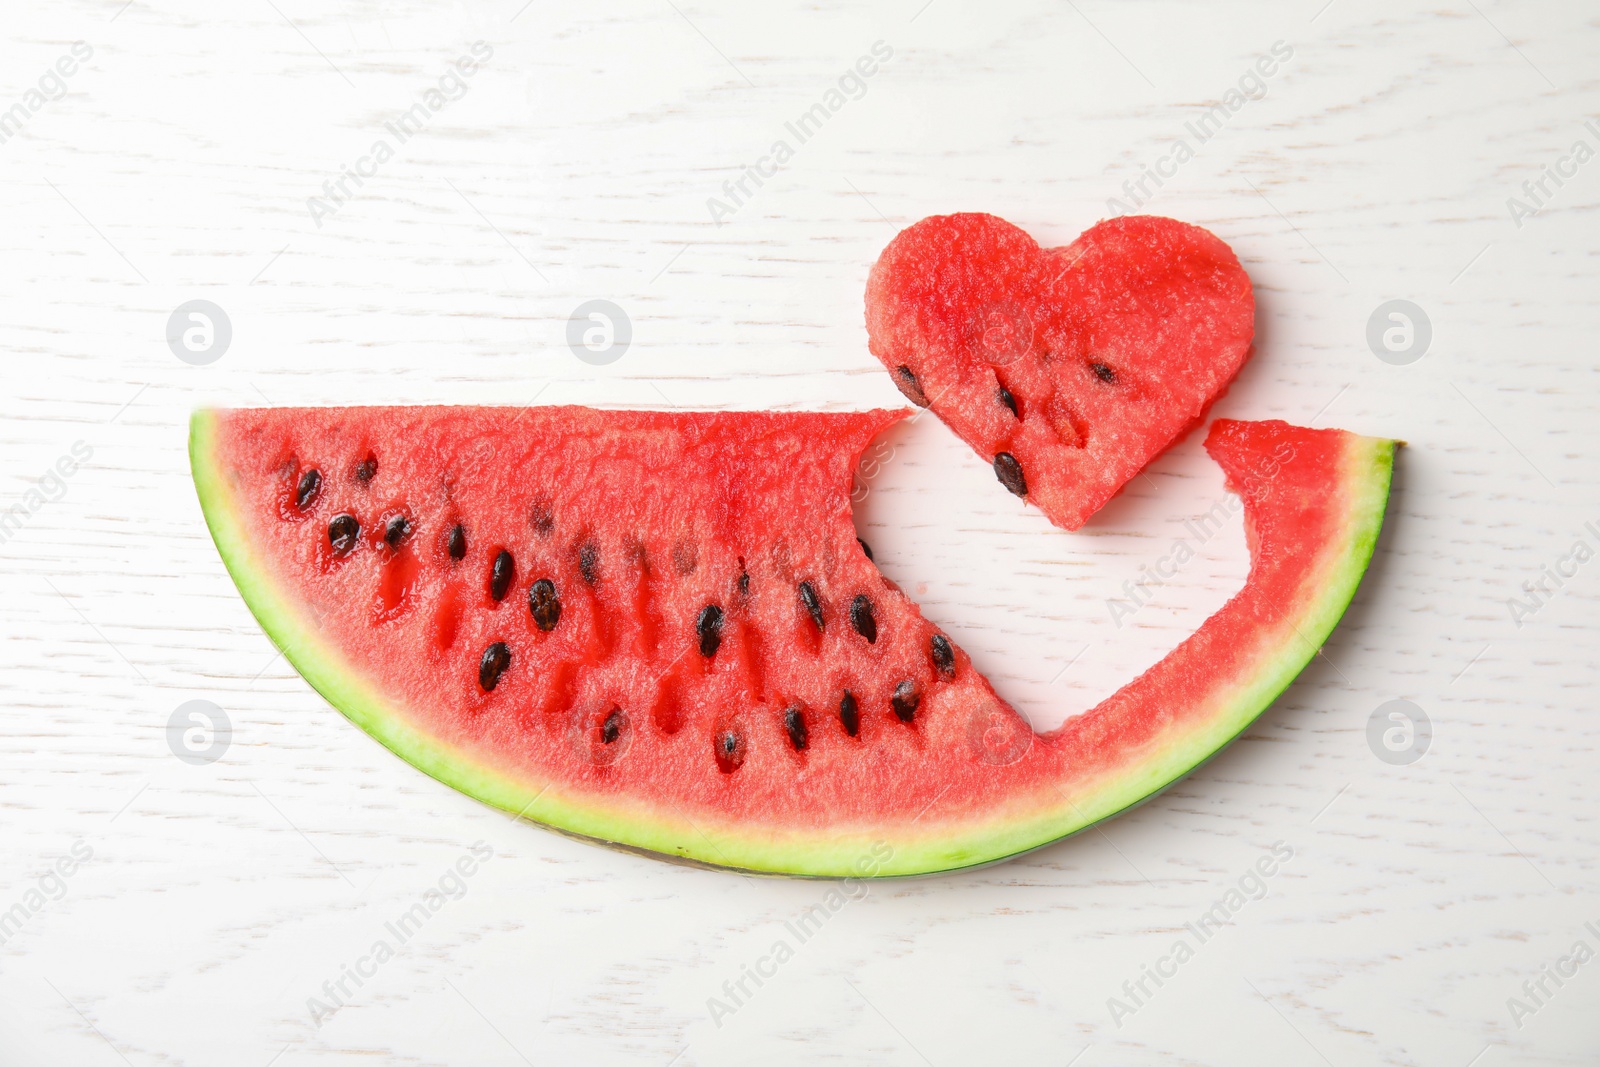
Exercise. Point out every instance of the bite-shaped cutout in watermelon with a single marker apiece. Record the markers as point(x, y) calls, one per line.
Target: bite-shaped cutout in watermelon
point(659, 630)
point(1071, 368)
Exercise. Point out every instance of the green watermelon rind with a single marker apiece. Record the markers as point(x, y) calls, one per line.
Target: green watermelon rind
point(1366, 485)
point(828, 853)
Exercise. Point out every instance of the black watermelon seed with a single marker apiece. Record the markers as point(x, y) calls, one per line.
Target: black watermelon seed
point(910, 386)
point(944, 656)
point(306, 492)
point(744, 583)
point(496, 658)
point(458, 542)
point(611, 729)
point(730, 750)
point(1009, 471)
point(709, 627)
point(589, 562)
point(865, 548)
point(367, 470)
point(1104, 373)
point(795, 724)
point(501, 574)
point(862, 619)
point(1004, 396)
point(905, 700)
point(808, 597)
point(850, 713)
point(544, 604)
point(397, 530)
point(343, 533)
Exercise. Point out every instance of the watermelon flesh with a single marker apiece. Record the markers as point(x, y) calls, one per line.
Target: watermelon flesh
point(727, 679)
point(1071, 368)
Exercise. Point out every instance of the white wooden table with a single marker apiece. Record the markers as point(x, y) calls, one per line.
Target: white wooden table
point(176, 161)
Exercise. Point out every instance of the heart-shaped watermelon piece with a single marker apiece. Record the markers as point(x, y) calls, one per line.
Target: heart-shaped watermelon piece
point(1071, 368)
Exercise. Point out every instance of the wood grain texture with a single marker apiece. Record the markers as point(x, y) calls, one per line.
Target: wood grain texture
point(576, 164)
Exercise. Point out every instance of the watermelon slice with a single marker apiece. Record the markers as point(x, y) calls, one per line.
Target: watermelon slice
point(659, 630)
point(1071, 368)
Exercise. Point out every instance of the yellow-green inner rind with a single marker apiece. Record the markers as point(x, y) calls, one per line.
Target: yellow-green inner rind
point(825, 852)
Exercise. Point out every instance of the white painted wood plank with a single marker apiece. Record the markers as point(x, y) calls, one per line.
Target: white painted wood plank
point(576, 164)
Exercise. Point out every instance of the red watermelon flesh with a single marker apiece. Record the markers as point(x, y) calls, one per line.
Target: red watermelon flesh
point(1071, 368)
point(525, 612)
